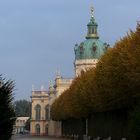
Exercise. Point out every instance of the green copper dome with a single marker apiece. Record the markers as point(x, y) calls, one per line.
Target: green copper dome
point(92, 47)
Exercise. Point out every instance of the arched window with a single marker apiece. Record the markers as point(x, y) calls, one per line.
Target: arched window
point(37, 129)
point(47, 129)
point(47, 109)
point(38, 112)
point(92, 31)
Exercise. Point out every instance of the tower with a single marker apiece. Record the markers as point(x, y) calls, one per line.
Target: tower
point(87, 54)
point(40, 112)
point(89, 51)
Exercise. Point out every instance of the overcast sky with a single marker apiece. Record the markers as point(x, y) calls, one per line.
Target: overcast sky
point(37, 37)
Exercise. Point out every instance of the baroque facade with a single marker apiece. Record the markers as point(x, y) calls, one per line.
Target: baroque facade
point(87, 54)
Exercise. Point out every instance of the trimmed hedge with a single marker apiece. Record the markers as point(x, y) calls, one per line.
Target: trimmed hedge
point(113, 84)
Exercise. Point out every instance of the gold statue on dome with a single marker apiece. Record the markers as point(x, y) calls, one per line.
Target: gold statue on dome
point(92, 11)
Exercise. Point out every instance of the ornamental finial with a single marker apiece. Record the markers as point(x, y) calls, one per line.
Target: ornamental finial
point(57, 72)
point(92, 11)
point(33, 89)
point(50, 84)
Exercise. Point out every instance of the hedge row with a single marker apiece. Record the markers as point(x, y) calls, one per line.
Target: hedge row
point(113, 84)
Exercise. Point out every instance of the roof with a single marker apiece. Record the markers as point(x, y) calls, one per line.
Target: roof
point(90, 49)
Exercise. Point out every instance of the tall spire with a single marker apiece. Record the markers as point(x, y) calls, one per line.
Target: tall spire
point(92, 26)
point(92, 11)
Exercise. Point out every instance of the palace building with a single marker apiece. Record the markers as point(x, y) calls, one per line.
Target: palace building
point(87, 54)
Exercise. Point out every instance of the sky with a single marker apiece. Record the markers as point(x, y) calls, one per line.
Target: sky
point(37, 37)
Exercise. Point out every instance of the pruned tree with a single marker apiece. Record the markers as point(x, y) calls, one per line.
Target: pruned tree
point(113, 84)
point(7, 114)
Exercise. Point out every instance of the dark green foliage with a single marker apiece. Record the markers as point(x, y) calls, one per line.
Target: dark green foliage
point(112, 123)
point(103, 124)
point(7, 114)
point(23, 108)
point(74, 126)
point(135, 123)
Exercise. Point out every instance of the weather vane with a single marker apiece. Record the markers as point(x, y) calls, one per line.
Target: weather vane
point(92, 11)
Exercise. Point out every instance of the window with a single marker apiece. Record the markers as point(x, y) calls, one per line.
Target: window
point(94, 48)
point(47, 112)
point(38, 112)
point(92, 31)
point(81, 50)
point(47, 129)
point(37, 128)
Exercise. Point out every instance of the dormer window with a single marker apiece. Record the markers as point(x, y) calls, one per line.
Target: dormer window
point(94, 47)
point(81, 48)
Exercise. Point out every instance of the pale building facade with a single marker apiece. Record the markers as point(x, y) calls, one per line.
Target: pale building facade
point(20, 123)
point(41, 123)
point(84, 65)
point(87, 55)
point(40, 112)
point(61, 84)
